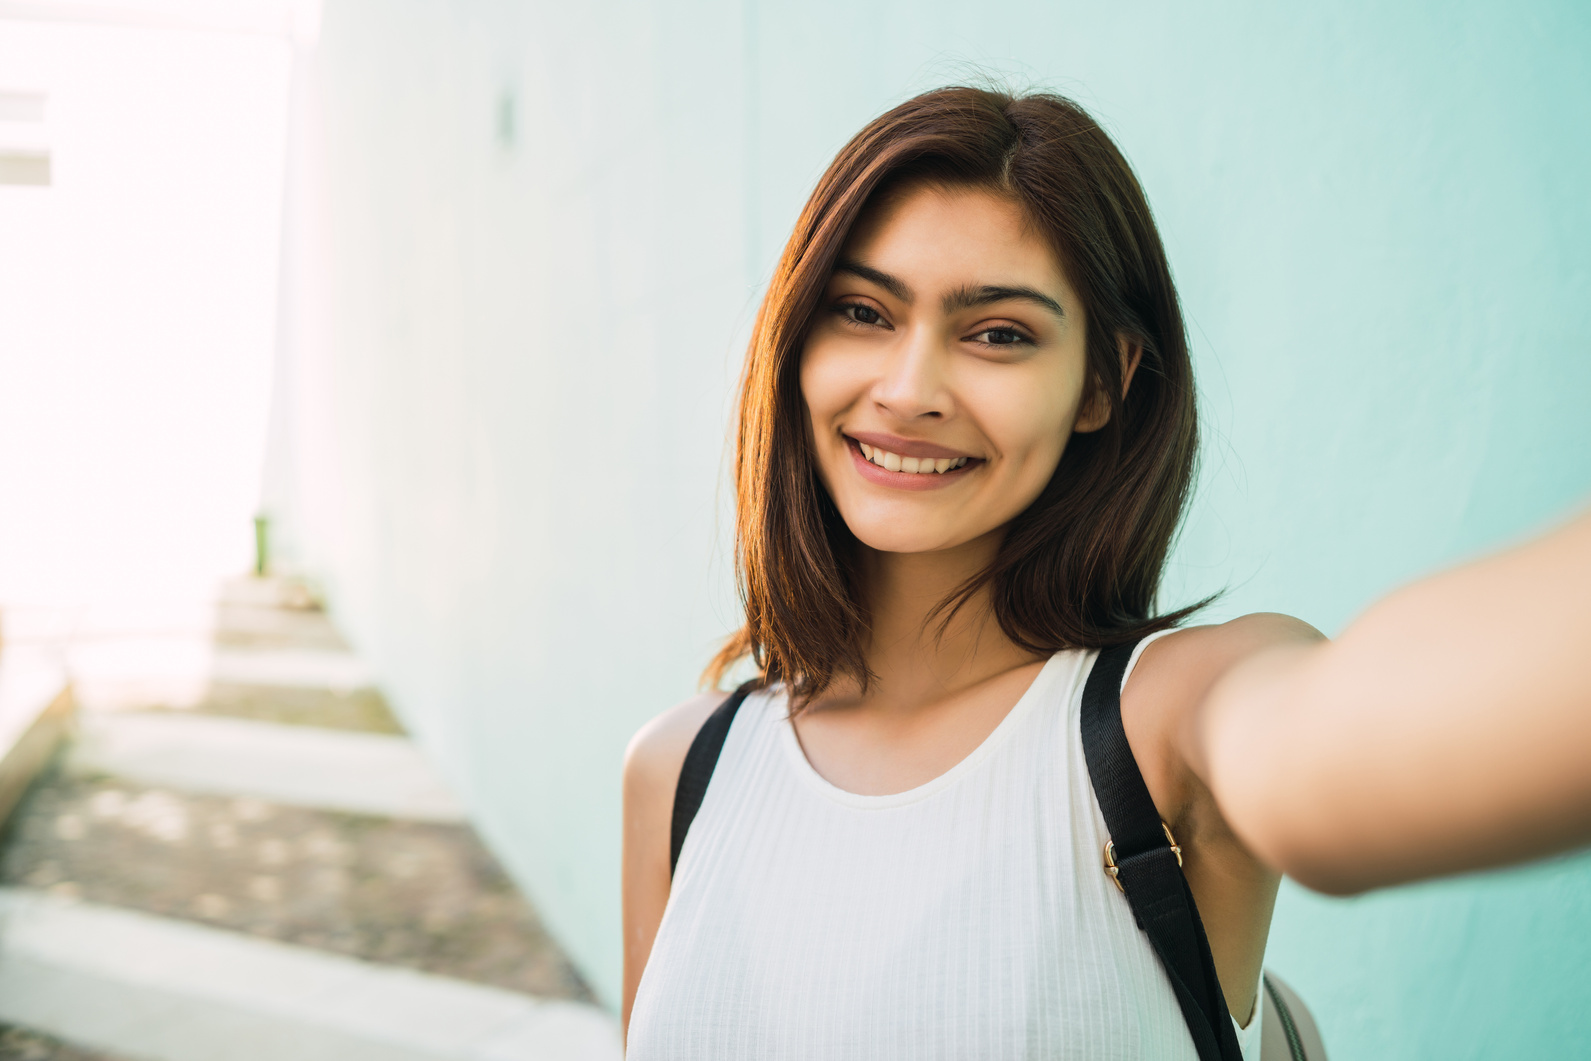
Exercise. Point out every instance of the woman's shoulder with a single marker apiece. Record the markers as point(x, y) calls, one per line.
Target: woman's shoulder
point(657, 751)
point(1196, 656)
point(1171, 681)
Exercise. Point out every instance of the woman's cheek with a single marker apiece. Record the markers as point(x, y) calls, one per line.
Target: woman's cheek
point(1021, 411)
point(1031, 433)
point(824, 383)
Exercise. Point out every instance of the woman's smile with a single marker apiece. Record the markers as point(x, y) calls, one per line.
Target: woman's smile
point(904, 464)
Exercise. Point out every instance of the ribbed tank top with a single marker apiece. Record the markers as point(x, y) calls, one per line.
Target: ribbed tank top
point(967, 919)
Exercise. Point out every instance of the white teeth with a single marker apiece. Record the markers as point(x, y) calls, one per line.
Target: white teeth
point(912, 465)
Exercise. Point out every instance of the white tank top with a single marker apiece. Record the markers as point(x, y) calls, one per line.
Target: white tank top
point(967, 918)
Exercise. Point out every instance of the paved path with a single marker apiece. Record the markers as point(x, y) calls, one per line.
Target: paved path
point(242, 857)
point(164, 988)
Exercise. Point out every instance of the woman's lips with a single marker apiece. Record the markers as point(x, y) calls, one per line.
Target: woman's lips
point(905, 447)
point(926, 476)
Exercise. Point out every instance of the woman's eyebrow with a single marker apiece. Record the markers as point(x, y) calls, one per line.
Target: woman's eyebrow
point(970, 297)
point(966, 297)
point(893, 284)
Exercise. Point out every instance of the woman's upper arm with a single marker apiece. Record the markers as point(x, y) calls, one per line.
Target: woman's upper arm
point(1163, 700)
point(651, 770)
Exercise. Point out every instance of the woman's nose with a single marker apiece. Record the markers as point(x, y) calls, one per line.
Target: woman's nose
point(913, 384)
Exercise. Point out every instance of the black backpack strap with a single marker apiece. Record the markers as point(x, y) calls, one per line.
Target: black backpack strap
point(1146, 864)
point(700, 761)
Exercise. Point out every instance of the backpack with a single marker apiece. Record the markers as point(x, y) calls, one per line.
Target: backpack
point(1142, 858)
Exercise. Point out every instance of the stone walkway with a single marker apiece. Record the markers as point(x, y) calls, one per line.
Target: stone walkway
point(423, 895)
point(20, 1044)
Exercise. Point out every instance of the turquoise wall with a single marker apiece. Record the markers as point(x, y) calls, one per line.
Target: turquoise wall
point(1379, 220)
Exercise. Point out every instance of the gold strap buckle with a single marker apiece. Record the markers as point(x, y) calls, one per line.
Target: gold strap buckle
point(1114, 873)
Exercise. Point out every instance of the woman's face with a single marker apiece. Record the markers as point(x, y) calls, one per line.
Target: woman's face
point(944, 371)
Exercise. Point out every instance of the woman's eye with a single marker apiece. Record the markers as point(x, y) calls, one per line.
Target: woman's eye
point(860, 314)
point(1000, 337)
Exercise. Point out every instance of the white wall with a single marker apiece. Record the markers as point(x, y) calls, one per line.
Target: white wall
point(507, 354)
point(137, 311)
point(508, 367)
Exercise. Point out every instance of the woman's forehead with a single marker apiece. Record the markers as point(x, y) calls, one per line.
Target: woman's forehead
point(937, 237)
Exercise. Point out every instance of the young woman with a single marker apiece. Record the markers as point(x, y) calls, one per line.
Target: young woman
point(966, 439)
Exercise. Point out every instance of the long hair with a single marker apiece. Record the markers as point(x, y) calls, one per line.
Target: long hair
point(1079, 568)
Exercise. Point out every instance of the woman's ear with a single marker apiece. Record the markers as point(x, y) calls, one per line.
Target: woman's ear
point(1095, 412)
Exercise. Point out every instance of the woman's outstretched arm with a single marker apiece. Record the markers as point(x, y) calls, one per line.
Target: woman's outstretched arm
point(1447, 729)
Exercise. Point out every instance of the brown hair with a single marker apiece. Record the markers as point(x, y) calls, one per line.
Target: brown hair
point(1081, 565)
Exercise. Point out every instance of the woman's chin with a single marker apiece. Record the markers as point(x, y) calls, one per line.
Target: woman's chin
point(908, 539)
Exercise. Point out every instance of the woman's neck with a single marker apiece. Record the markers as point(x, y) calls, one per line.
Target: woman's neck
point(916, 656)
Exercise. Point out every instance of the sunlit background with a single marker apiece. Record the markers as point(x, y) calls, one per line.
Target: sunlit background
point(428, 313)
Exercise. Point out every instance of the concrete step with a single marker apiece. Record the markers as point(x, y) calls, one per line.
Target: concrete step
point(305, 766)
point(167, 990)
point(35, 713)
point(122, 673)
point(360, 710)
